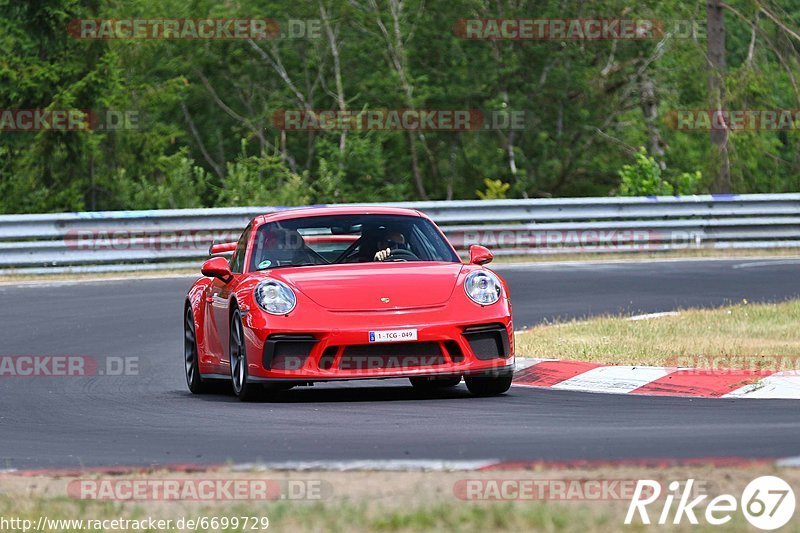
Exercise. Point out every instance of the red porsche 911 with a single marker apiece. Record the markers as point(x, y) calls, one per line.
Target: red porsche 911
point(342, 293)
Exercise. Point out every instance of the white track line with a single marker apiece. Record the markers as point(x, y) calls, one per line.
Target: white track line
point(59, 282)
point(790, 462)
point(613, 379)
point(648, 316)
point(758, 264)
point(625, 379)
point(525, 362)
point(394, 465)
point(783, 385)
point(761, 259)
point(756, 261)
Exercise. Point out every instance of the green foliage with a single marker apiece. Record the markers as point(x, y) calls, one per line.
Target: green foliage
point(181, 185)
point(206, 134)
point(261, 180)
point(688, 182)
point(643, 178)
point(356, 175)
point(495, 190)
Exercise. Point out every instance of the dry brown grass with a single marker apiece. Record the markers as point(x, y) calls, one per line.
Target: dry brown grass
point(743, 329)
point(397, 501)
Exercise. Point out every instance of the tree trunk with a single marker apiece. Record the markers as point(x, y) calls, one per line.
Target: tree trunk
point(337, 72)
point(649, 104)
point(398, 60)
point(716, 92)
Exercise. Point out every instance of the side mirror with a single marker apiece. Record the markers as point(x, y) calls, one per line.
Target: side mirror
point(479, 255)
point(217, 267)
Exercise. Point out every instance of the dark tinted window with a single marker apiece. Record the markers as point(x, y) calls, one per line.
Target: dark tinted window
point(237, 260)
point(348, 239)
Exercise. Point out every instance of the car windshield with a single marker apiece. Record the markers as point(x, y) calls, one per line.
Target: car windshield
point(334, 239)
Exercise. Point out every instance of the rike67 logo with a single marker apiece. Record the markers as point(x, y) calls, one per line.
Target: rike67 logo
point(767, 503)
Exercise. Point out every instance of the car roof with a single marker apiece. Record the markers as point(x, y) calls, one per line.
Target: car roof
point(304, 212)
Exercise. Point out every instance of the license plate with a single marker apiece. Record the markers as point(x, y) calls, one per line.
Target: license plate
point(393, 335)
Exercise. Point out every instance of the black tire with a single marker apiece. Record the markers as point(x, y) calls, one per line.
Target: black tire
point(426, 383)
point(244, 390)
point(489, 385)
point(191, 362)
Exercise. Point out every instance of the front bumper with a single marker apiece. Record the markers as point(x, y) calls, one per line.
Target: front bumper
point(481, 342)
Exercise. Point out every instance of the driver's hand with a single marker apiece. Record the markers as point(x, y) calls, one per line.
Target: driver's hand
point(383, 255)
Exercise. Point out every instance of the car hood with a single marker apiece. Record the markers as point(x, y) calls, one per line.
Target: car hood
point(365, 287)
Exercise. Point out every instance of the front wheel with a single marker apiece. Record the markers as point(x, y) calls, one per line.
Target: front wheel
point(191, 362)
point(239, 375)
point(425, 383)
point(489, 385)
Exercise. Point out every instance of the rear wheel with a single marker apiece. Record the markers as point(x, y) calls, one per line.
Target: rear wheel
point(426, 383)
point(190, 356)
point(238, 353)
point(489, 385)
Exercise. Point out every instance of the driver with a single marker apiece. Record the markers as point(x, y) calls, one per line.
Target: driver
point(390, 241)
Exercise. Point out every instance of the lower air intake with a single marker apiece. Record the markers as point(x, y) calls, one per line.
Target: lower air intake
point(287, 352)
point(399, 355)
point(488, 342)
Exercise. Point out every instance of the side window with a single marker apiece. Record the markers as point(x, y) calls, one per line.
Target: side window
point(237, 260)
point(421, 240)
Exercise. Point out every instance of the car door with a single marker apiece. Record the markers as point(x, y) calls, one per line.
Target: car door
point(218, 300)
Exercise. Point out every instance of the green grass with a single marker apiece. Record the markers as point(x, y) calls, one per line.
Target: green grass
point(361, 517)
point(743, 329)
point(392, 501)
point(346, 517)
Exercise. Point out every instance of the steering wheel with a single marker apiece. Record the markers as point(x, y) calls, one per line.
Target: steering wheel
point(403, 255)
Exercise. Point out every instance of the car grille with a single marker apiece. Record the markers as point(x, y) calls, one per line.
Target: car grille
point(401, 355)
point(287, 352)
point(488, 342)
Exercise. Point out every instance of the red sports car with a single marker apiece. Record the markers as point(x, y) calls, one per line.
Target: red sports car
point(340, 293)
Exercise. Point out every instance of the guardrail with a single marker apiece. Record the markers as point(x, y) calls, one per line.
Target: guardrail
point(138, 240)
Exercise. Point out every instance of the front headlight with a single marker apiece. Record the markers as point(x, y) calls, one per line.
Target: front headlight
point(275, 297)
point(482, 287)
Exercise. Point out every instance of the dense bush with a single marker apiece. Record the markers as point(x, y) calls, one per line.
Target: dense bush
point(206, 134)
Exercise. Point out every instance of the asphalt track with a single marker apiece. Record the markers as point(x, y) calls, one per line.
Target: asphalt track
point(150, 418)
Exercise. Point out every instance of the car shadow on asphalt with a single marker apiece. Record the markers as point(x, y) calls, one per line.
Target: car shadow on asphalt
point(329, 393)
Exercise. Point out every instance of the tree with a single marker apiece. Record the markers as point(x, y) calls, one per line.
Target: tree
point(716, 92)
